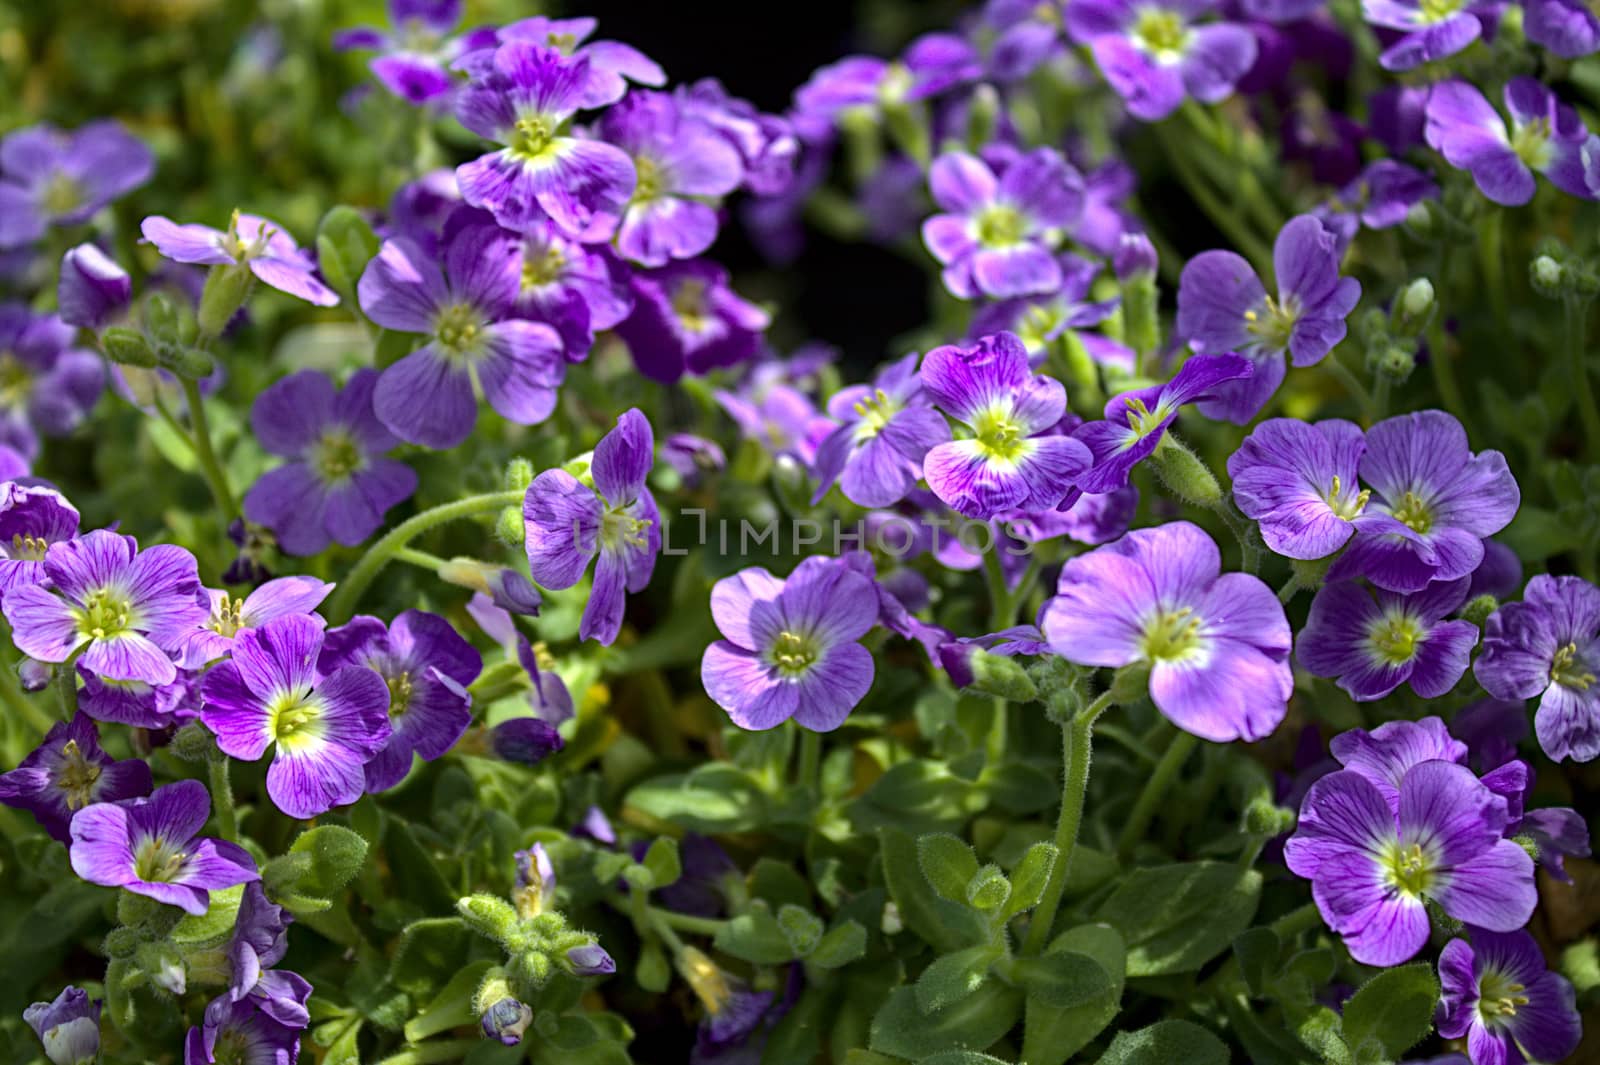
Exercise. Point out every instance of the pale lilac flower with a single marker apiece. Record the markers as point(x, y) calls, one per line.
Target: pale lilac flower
point(263, 246)
point(55, 177)
point(1156, 54)
point(884, 431)
point(1299, 482)
point(69, 1027)
point(1548, 646)
point(213, 638)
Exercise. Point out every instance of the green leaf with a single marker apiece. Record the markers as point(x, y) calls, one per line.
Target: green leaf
point(797, 1038)
point(1167, 1043)
point(802, 928)
point(1391, 1013)
point(429, 950)
point(413, 866)
point(345, 244)
point(1258, 950)
point(756, 937)
point(989, 889)
point(663, 862)
point(653, 972)
point(1175, 918)
point(1063, 978)
point(844, 943)
point(1052, 1034)
point(215, 924)
point(716, 797)
point(974, 1023)
point(952, 977)
point(1029, 877)
point(1321, 1031)
point(941, 924)
point(948, 863)
point(451, 1007)
point(916, 796)
point(345, 1050)
point(961, 1057)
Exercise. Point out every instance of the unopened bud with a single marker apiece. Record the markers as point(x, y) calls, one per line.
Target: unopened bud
point(1546, 276)
point(1479, 608)
point(127, 347)
point(227, 287)
point(1184, 474)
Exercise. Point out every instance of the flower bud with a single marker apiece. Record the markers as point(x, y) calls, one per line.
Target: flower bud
point(489, 915)
point(1479, 608)
point(92, 290)
point(518, 475)
point(1395, 363)
point(988, 889)
point(1417, 299)
point(507, 1019)
point(227, 287)
point(194, 743)
point(163, 966)
point(535, 889)
point(34, 676)
point(509, 527)
point(1185, 475)
point(1263, 817)
point(127, 347)
point(972, 667)
point(186, 362)
point(525, 740)
point(1135, 256)
point(590, 959)
point(161, 319)
point(69, 1027)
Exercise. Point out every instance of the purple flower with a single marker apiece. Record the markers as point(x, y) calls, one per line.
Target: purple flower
point(1497, 993)
point(137, 703)
point(571, 287)
point(1546, 135)
point(1374, 647)
point(1499, 574)
point(263, 246)
point(1155, 54)
point(612, 64)
point(772, 406)
point(69, 1027)
point(1012, 460)
point(1217, 644)
point(693, 457)
point(1040, 320)
point(415, 59)
point(53, 177)
point(569, 522)
point(92, 290)
point(1383, 194)
point(535, 889)
point(523, 99)
point(338, 484)
point(67, 772)
point(1566, 27)
point(1372, 864)
point(884, 431)
point(1549, 645)
point(1433, 502)
point(260, 940)
point(1222, 306)
point(213, 638)
point(1386, 754)
point(129, 610)
point(590, 959)
point(50, 385)
point(681, 163)
point(956, 656)
point(790, 646)
point(506, 1020)
point(31, 519)
point(462, 305)
point(1027, 34)
point(994, 238)
point(148, 846)
point(525, 740)
point(1299, 482)
point(1431, 31)
point(930, 65)
point(550, 699)
point(687, 318)
point(767, 144)
point(326, 728)
point(427, 667)
point(263, 1027)
point(1136, 422)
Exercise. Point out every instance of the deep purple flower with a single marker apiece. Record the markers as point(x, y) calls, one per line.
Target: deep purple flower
point(1397, 115)
point(523, 99)
point(1499, 574)
point(1027, 34)
point(69, 771)
point(260, 940)
point(1299, 481)
point(1549, 645)
point(1012, 460)
point(1497, 993)
point(612, 64)
point(576, 289)
point(1038, 321)
point(739, 1019)
point(1155, 54)
point(1091, 519)
point(1136, 422)
point(415, 57)
point(69, 1027)
point(326, 728)
point(683, 167)
point(31, 519)
point(550, 699)
point(129, 610)
point(1566, 27)
point(54, 177)
point(1433, 501)
point(686, 318)
point(1431, 31)
point(260, 244)
point(148, 846)
point(1386, 754)
point(698, 891)
point(525, 740)
point(768, 146)
point(1217, 644)
point(338, 484)
point(1546, 136)
point(569, 522)
point(50, 385)
point(1223, 307)
point(994, 238)
point(427, 666)
point(1381, 196)
point(884, 431)
point(790, 645)
point(956, 656)
point(213, 638)
point(1372, 648)
point(462, 302)
point(263, 1027)
point(1372, 864)
point(92, 289)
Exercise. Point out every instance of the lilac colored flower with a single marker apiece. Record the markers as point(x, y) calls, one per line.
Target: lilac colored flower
point(338, 484)
point(790, 645)
point(1038, 321)
point(260, 940)
point(1546, 136)
point(1372, 648)
point(68, 771)
point(1558, 833)
point(956, 656)
point(739, 1020)
point(69, 1027)
point(148, 846)
point(771, 406)
point(419, 209)
point(1498, 993)
point(1027, 34)
point(1136, 422)
point(506, 1020)
point(550, 699)
point(523, 99)
point(1135, 256)
point(596, 826)
point(326, 728)
point(1372, 864)
point(1386, 754)
point(13, 465)
point(128, 610)
point(1549, 645)
point(1430, 31)
point(1566, 27)
point(31, 519)
point(50, 385)
point(54, 177)
point(1012, 460)
point(1222, 307)
point(1499, 574)
point(427, 666)
point(1433, 501)
point(612, 64)
point(930, 65)
point(263, 1027)
point(461, 302)
point(767, 144)
point(1155, 54)
point(994, 236)
point(590, 959)
point(535, 889)
point(136, 702)
point(415, 58)
point(693, 457)
point(573, 288)
point(1385, 191)
point(260, 244)
point(884, 431)
point(681, 164)
point(568, 523)
point(213, 638)
point(92, 289)
point(1299, 481)
point(1105, 221)
point(686, 318)
point(1091, 519)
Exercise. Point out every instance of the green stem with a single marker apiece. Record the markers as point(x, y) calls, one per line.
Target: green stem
point(420, 559)
point(1577, 315)
point(810, 761)
point(67, 684)
point(17, 699)
point(1222, 215)
point(1077, 740)
point(1352, 384)
point(222, 798)
point(381, 553)
point(1290, 588)
point(434, 1053)
point(1444, 371)
point(1155, 789)
point(205, 455)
